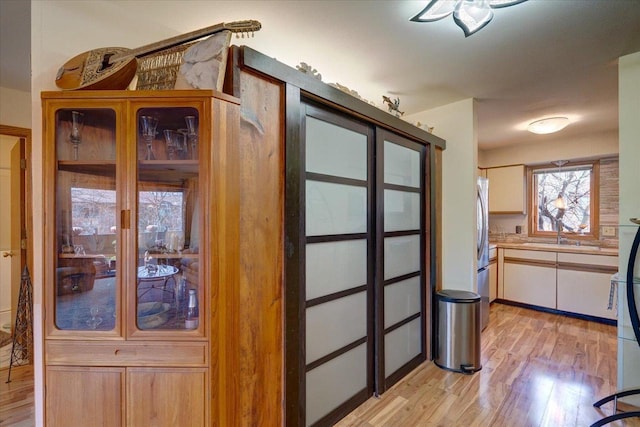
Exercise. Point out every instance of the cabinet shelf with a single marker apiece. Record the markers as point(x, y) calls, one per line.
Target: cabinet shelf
point(173, 255)
point(167, 170)
point(94, 168)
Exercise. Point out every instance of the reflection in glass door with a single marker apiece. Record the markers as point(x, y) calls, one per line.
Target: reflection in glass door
point(86, 238)
point(168, 287)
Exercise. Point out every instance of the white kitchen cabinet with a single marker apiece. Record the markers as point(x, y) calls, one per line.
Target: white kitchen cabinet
point(500, 273)
point(507, 189)
point(530, 277)
point(584, 283)
point(493, 274)
point(572, 282)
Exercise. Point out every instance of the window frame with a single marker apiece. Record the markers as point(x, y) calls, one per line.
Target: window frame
point(594, 208)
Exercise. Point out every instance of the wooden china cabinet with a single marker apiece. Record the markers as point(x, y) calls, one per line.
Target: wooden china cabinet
point(141, 234)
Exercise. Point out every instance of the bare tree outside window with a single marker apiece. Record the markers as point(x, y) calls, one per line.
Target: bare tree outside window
point(161, 210)
point(573, 213)
point(93, 210)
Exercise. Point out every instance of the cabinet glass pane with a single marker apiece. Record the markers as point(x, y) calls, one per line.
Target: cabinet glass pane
point(401, 300)
point(335, 150)
point(335, 266)
point(335, 208)
point(86, 238)
point(401, 345)
point(331, 384)
point(401, 255)
point(401, 210)
point(335, 324)
point(168, 285)
point(401, 165)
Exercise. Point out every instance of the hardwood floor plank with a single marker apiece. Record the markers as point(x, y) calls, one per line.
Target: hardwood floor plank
point(539, 369)
point(16, 397)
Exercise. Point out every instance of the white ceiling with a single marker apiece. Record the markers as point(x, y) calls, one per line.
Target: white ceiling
point(537, 59)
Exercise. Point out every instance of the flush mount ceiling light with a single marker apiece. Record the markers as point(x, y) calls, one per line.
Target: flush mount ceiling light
point(470, 15)
point(548, 125)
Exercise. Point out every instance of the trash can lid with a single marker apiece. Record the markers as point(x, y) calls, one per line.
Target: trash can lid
point(453, 295)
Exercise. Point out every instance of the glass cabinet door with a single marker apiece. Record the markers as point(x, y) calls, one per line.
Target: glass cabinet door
point(86, 235)
point(168, 221)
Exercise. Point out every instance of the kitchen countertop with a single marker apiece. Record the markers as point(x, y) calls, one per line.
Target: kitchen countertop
point(553, 247)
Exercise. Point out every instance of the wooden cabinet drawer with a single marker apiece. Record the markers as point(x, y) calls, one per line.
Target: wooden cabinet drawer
point(589, 260)
point(123, 353)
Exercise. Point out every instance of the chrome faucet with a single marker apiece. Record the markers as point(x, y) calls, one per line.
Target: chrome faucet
point(559, 239)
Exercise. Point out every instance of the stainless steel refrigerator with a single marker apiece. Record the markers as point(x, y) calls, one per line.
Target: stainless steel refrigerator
point(483, 249)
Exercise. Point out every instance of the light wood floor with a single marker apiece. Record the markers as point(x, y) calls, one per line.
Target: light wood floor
point(16, 397)
point(538, 369)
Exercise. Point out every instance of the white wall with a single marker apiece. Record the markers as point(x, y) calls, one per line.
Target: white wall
point(15, 108)
point(457, 124)
point(553, 148)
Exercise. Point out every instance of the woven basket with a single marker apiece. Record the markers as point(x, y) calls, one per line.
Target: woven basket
point(160, 70)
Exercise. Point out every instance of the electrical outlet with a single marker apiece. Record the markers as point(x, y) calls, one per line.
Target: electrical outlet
point(608, 231)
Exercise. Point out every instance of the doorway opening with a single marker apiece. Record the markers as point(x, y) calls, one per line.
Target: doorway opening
point(15, 241)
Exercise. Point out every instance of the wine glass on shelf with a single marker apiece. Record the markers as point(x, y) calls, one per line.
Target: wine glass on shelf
point(181, 145)
point(75, 137)
point(192, 135)
point(149, 125)
point(171, 139)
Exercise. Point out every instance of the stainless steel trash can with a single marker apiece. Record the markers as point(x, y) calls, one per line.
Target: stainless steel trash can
point(458, 331)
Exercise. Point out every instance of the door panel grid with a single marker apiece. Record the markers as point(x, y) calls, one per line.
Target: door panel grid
point(361, 236)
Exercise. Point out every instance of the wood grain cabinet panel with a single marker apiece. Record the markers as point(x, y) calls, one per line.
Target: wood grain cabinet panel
point(82, 396)
point(165, 397)
point(123, 353)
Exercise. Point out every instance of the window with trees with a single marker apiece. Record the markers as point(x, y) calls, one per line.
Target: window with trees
point(564, 198)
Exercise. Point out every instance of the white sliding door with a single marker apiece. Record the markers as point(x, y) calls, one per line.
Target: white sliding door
point(355, 279)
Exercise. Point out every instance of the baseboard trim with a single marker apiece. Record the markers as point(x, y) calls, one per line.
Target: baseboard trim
point(596, 319)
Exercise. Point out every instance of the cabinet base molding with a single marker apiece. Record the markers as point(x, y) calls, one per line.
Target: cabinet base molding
point(596, 319)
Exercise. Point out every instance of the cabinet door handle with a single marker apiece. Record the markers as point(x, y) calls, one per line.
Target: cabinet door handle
point(6, 254)
point(125, 219)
